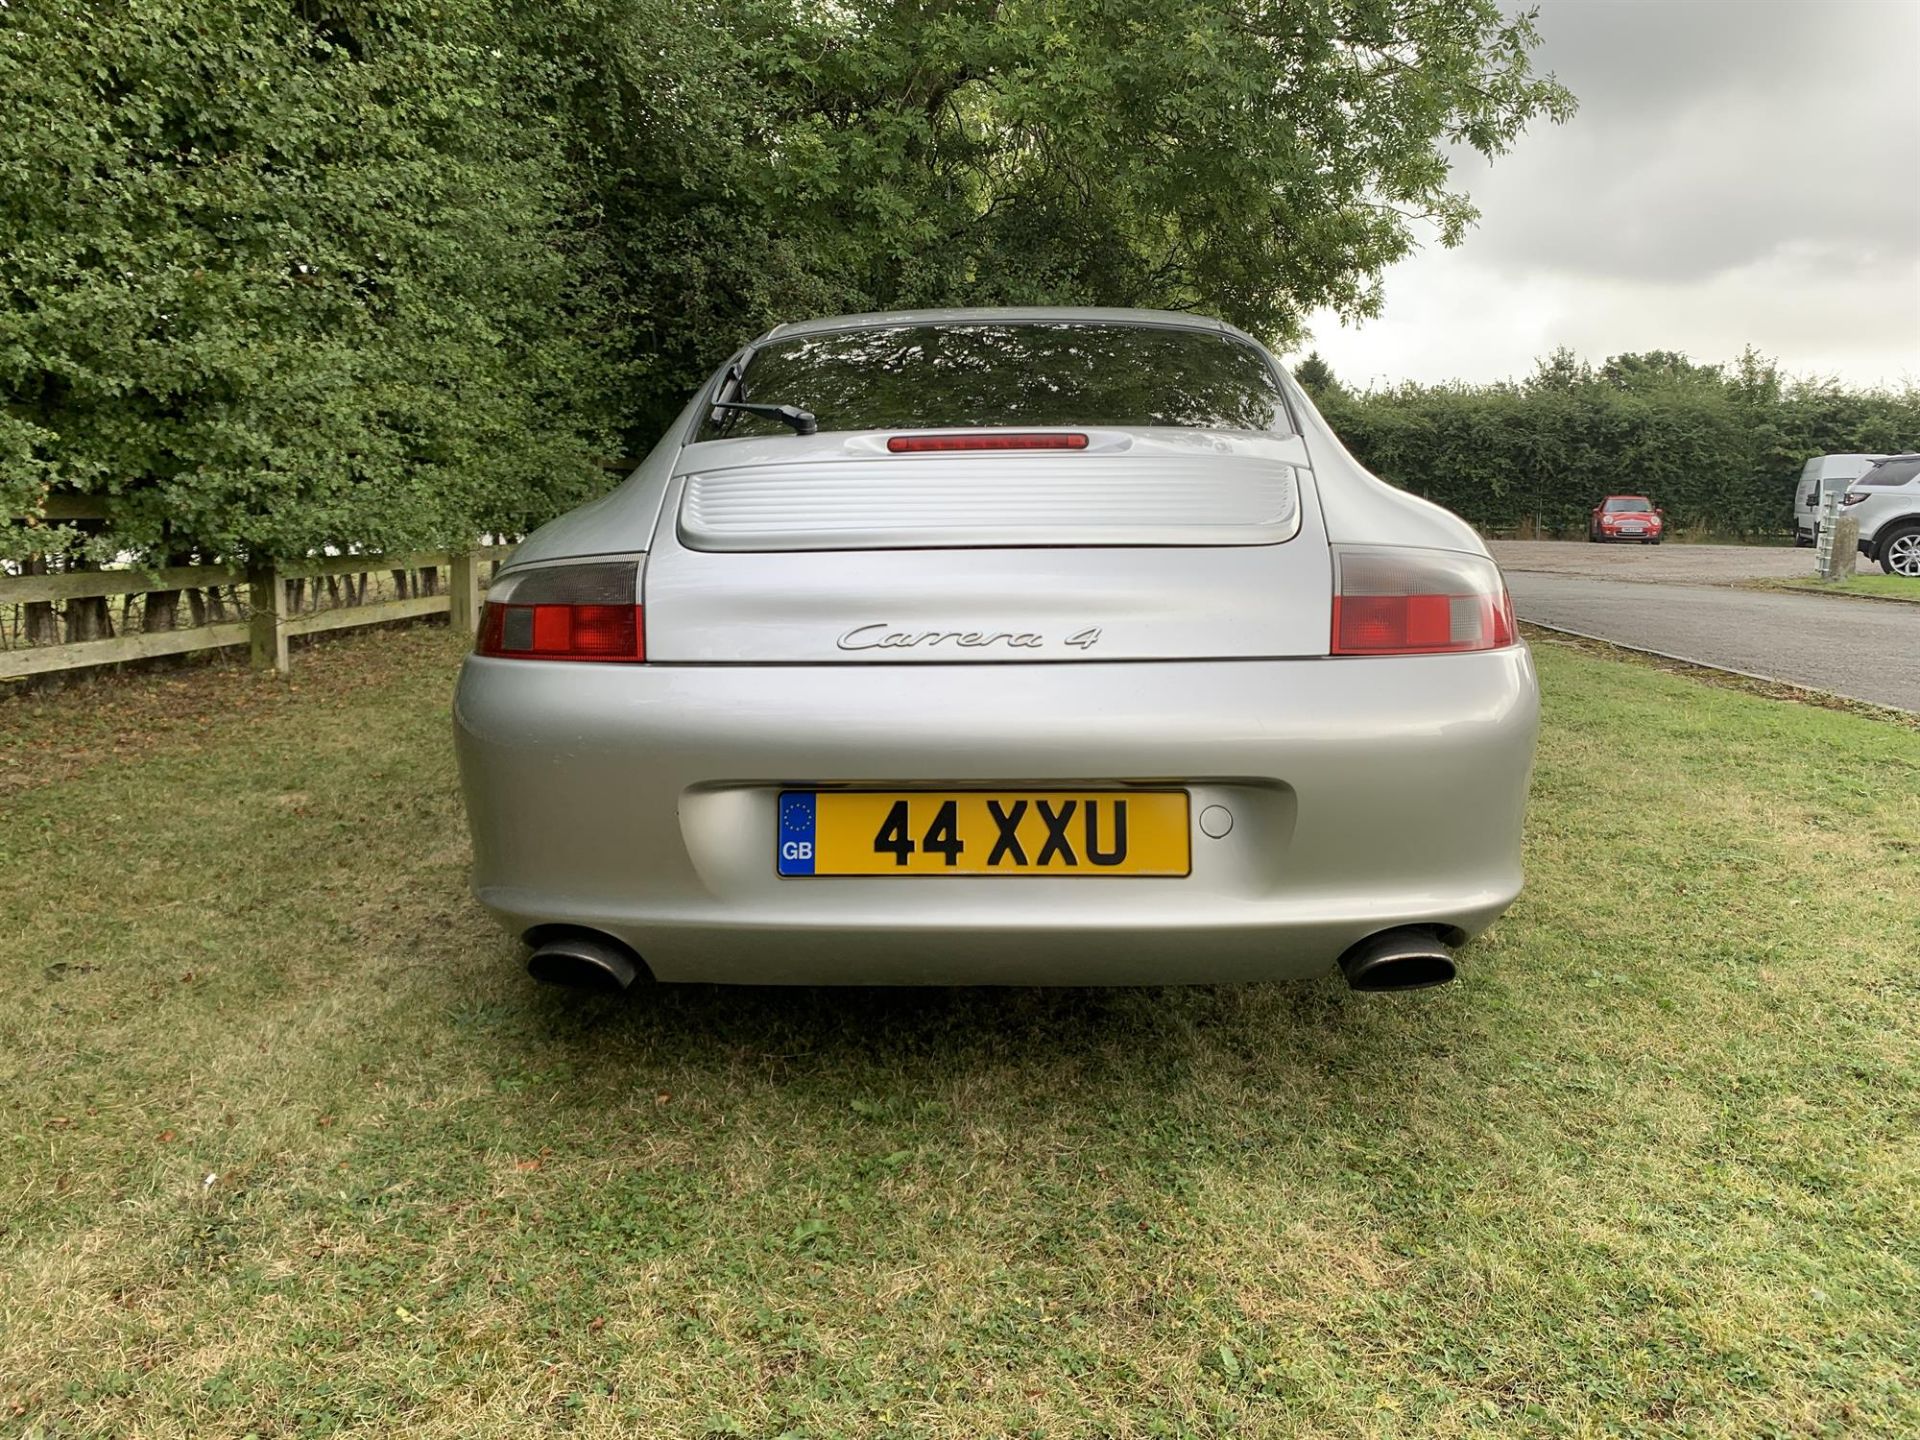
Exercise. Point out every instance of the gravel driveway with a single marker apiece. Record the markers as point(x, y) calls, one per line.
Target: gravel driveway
point(1682, 564)
point(1679, 600)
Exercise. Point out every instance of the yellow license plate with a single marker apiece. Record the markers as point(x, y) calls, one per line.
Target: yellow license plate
point(981, 832)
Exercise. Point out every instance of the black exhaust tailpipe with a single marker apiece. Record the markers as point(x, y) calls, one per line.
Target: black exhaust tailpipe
point(581, 960)
point(1398, 960)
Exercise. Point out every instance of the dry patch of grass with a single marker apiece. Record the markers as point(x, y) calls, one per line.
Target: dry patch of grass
point(292, 1147)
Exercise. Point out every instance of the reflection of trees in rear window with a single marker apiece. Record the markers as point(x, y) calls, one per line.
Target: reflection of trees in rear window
point(1894, 472)
point(1621, 503)
point(950, 376)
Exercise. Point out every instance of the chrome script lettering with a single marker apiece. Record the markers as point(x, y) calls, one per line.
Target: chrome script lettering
point(879, 637)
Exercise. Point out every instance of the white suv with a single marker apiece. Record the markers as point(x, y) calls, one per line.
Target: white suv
point(1886, 502)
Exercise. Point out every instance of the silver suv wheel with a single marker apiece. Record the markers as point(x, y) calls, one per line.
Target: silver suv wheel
point(1902, 555)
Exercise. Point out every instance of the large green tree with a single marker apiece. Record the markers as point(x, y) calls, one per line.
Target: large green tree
point(767, 158)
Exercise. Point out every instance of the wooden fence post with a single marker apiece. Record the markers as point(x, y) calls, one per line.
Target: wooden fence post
point(267, 635)
point(463, 593)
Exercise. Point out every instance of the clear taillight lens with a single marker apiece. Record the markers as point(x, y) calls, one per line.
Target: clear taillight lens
point(1390, 601)
point(588, 611)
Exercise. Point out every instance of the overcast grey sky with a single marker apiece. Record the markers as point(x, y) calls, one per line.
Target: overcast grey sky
point(1740, 171)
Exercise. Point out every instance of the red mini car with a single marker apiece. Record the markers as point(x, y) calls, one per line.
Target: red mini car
point(1627, 517)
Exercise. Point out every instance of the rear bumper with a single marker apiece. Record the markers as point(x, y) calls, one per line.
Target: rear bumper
point(641, 801)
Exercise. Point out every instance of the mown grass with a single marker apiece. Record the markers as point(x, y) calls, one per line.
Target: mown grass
point(292, 1147)
point(1879, 585)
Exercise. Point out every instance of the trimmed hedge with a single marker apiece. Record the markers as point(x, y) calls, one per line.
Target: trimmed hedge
point(1720, 448)
point(278, 276)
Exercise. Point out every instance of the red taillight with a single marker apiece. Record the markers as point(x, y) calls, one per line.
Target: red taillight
point(1419, 624)
point(1040, 440)
point(566, 612)
point(1418, 602)
point(563, 632)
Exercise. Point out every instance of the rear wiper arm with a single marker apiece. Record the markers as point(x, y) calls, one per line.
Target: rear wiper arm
point(803, 421)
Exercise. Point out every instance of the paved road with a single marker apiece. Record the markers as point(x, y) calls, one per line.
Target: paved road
point(1860, 648)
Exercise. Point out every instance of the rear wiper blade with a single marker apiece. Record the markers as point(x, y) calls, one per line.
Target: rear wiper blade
point(802, 421)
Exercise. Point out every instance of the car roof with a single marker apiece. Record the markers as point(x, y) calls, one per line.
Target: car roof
point(1005, 315)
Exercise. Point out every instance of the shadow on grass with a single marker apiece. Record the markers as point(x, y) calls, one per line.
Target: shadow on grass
point(1185, 1056)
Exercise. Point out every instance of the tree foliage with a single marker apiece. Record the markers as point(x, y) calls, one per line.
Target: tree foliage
point(1718, 446)
point(1252, 160)
point(279, 275)
point(287, 273)
point(282, 275)
point(1316, 377)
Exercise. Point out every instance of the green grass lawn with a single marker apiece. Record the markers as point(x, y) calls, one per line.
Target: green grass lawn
point(293, 1147)
point(1875, 582)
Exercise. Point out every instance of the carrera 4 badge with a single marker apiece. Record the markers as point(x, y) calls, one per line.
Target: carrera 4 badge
point(881, 636)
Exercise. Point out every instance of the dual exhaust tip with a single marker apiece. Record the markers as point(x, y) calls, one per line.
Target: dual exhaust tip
point(582, 960)
point(1403, 959)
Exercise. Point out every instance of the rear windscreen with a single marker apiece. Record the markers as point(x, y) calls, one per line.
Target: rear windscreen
point(951, 376)
point(1892, 472)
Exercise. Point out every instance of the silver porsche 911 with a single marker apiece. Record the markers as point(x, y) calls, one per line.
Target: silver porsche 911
point(998, 646)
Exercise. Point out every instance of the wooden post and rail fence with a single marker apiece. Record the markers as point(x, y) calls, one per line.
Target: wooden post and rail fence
point(274, 615)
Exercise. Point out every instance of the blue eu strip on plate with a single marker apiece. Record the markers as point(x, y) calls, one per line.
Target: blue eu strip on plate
point(796, 833)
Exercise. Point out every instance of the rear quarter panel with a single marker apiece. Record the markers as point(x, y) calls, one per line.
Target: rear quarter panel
point(1359, 508)
point(619, 523)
